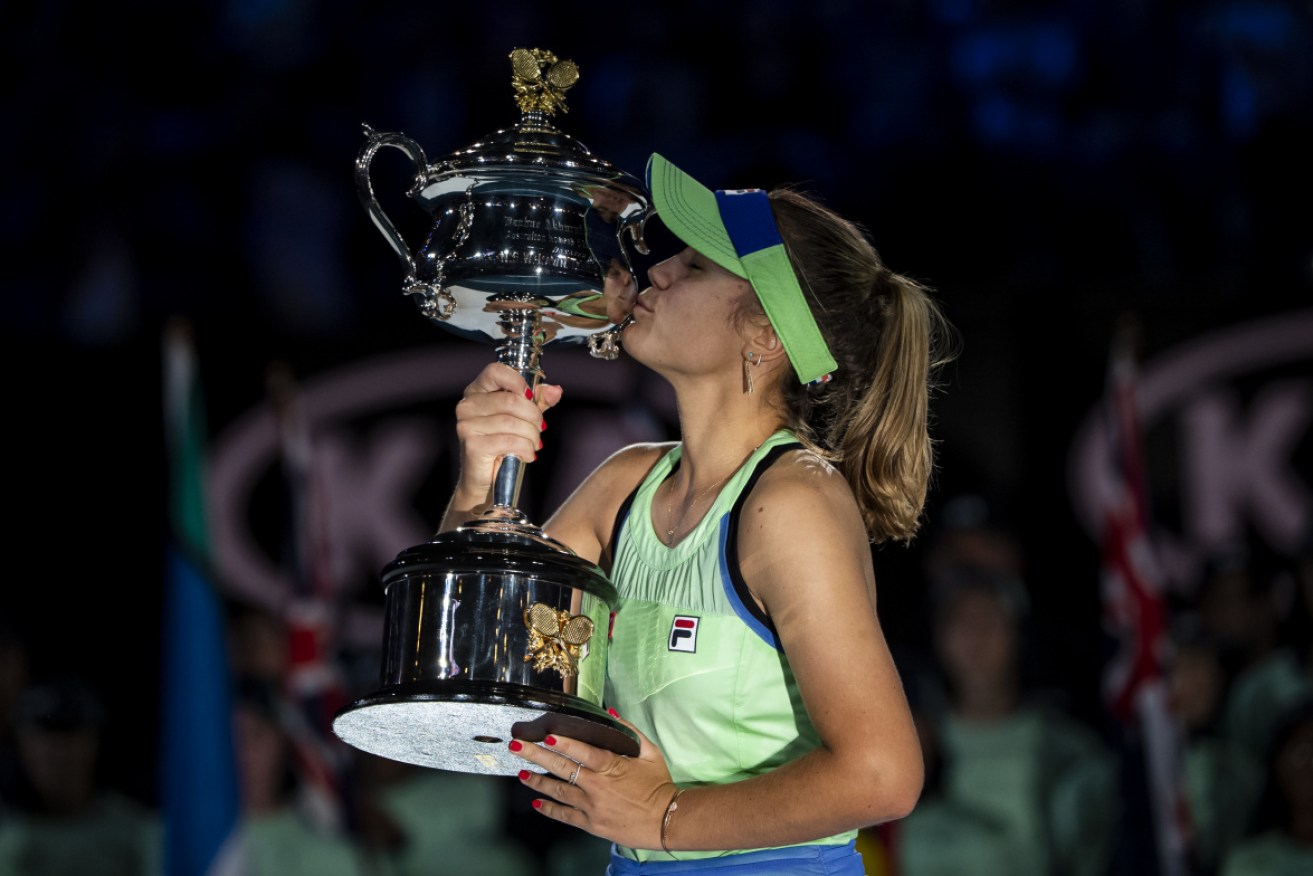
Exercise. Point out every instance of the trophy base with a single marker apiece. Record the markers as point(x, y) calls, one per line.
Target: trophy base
point(467, 726)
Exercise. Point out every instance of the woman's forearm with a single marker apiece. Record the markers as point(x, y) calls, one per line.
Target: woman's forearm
point(462, 508)
point(818, 795)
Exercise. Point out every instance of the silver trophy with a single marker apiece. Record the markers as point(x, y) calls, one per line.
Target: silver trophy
point(495, 630)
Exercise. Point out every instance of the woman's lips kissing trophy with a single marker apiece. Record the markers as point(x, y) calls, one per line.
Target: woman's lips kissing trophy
point(495, 630)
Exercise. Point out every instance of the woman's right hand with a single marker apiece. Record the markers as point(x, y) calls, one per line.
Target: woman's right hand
point(497, 416)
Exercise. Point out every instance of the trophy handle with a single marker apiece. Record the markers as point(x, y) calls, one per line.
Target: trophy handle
point(365, 189)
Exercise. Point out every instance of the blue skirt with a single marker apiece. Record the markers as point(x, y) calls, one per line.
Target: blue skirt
point(809, 860)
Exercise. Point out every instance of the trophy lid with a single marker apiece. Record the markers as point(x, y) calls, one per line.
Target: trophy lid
point(534, 151)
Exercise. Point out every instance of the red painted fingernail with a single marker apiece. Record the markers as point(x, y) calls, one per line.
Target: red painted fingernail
point(515, 745)
point(550, 740)
point(537, 804)
point(540, 443)
point(543, 427)
point(613, 713)
point(524, 774)
point(528, 393)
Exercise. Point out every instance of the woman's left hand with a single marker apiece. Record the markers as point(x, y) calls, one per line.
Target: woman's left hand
point(622, 799)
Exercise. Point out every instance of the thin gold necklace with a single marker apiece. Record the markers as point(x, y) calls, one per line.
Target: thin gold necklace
point(670, 509)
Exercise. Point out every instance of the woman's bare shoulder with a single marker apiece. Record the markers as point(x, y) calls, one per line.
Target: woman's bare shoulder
point(804, 499)
point(584, 521)
point(803, 471)
point(624, 468)
point(613, 479)
point(803, 490)
point(642, 454)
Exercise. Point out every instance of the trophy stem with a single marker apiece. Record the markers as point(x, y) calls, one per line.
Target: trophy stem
point(521, 350)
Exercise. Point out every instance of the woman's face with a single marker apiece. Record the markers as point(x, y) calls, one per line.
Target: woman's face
point(687, 321)
point(61, 765)
point(261, 756)
point(1196, 684)
point(978, 640)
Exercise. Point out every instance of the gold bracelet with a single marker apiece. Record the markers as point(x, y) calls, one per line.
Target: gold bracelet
point(665, 822)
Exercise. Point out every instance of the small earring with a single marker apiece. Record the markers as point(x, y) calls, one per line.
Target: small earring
point(750, 360)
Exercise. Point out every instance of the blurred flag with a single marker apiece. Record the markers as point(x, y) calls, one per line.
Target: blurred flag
point(200, 795)
point(1135, 615)
point(314, 688)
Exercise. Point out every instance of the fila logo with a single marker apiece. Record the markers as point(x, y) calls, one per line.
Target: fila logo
point(684, 634)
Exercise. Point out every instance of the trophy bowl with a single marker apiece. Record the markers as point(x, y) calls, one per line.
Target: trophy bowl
point(494, 630)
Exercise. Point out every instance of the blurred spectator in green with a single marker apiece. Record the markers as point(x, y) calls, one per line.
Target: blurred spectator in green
point(1222, 778)
point(62, 821)
point(945, 835)
point(1242, 610)
point(1281, 842)
point(416, 821)
point(1029, 786)
point(282, 839)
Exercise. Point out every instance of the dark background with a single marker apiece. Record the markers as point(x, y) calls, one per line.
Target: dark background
point(1044, 167)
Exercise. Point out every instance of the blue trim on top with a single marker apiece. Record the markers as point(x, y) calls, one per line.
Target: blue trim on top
point(748, 219)
point(745, 614)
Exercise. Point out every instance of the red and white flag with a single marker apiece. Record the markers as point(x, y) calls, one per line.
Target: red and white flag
point(314, 688)
point(1135, 614)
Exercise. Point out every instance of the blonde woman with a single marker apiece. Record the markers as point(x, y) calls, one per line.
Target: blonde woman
point(746, 649)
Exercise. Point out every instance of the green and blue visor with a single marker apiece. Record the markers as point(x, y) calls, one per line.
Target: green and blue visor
point(736, 230)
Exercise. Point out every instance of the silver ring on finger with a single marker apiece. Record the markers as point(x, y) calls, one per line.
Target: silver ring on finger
point(574, 776)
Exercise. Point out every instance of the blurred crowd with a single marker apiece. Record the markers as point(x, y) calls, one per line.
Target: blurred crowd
point(309, 804)
point(1023, 143)
point(1018, 782)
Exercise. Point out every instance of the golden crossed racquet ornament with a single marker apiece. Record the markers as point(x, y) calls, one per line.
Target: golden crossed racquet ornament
point(541, 79)
point(557, 639)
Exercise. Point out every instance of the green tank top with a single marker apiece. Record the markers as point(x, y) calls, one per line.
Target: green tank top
point(692, 660)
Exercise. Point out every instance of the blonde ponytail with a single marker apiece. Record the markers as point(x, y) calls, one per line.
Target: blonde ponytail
point(872, 420)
